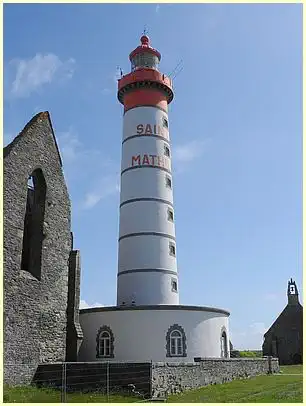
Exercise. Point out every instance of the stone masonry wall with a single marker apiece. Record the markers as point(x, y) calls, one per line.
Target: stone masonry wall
point(169, 378)
point(74, 330)
point(34, 310)
point(153, 380)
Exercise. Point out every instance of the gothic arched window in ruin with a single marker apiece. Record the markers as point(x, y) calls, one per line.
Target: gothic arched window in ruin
point(224, 349)
point(176, 342)
point(33, 224)
point(105, 343)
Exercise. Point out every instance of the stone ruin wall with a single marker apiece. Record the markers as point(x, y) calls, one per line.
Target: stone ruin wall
point(35, 308)
point(169, 378)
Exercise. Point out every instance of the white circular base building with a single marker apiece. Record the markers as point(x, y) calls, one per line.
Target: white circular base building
point(153, 333)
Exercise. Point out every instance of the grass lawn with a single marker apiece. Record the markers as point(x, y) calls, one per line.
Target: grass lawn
point(25, 394)
point(261, 389)
point(291, 369)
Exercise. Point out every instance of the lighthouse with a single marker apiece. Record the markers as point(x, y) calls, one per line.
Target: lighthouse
point(147, 268)
point(148, 322)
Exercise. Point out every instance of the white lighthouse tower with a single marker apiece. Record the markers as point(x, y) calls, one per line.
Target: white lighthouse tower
point(147, 269)
point(148, 322)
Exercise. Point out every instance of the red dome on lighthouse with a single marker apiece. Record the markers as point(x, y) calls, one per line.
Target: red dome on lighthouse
point(145, 47)
point(145, 40)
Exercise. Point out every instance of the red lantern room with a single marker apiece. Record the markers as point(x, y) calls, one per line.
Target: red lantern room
point(145, 85)
point(144, 56)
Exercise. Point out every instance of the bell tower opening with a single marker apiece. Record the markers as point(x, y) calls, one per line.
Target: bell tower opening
point(292, 293)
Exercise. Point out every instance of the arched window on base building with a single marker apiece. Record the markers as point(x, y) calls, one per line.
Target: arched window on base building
point(105, 343)
point(176, 342)
point(224, 349)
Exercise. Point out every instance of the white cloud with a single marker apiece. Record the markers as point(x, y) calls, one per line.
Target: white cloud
point(83, 167)
point(32, 74)
point(250, 338)
point(186, 153)
point(108, 185)
point(157, 8)
point(189, 151)
point(75, 153)
point(85, 305)
point(69, 145)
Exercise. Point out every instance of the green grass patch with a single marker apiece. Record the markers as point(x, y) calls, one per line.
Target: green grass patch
point(291, 369)
point(31, 394)
point(100, 398)
point(260, 389)
point(250, 354)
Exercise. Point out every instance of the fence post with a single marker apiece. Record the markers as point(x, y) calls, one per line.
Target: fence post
point(269, 364)
point(151, 380)
point(63, 391)
point(107, 380)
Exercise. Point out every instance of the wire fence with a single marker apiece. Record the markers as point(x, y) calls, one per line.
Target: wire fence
point(85, 382)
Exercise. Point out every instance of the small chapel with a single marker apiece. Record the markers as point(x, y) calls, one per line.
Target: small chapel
point(284, 339)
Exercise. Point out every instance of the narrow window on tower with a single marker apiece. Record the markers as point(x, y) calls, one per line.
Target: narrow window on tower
point(172, 249)
point(174, 285)
point(166, 150)
point(168, 182)
point(170, 215)
point(165, 122)
point(33, 224)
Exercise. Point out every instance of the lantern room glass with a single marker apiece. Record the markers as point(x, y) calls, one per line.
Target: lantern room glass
point(145, 60)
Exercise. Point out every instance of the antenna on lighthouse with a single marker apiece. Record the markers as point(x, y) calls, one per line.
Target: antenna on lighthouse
point(119, 73)
point(178, 66)
point(177, 73)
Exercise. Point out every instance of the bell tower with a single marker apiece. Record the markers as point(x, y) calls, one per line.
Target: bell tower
point(292, 293)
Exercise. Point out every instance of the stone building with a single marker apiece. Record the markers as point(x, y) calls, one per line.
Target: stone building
point(41, 268)
point(284, 339)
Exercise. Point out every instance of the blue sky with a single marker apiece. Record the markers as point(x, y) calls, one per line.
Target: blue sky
point(235, 126)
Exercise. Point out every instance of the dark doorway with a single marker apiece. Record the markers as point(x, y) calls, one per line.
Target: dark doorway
point(297, 359)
